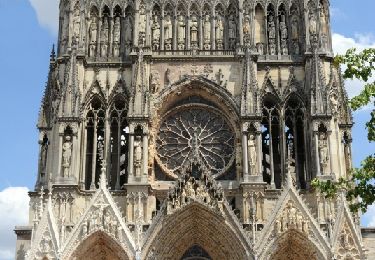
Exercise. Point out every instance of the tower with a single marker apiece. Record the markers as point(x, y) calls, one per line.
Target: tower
point(192, 130)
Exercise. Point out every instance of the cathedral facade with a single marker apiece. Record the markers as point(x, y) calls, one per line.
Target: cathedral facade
point(192, 130)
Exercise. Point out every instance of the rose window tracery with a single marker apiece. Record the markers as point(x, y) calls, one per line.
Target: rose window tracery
point(194, 134)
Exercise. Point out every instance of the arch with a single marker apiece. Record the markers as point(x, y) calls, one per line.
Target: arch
point(99, 245)
point(293, 245)
point(197, 224)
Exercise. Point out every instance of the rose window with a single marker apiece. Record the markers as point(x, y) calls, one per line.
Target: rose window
point(198, 134)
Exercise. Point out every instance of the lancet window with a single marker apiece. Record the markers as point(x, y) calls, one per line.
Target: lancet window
point(95, 123)
point(284, 142)
point(119, 146)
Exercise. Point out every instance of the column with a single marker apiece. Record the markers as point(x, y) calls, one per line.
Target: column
point(240, 20)
point(94, 153)
point(162, 30)
point(200, 32)
point(296, 151)
point(83, 160)
point(131, 155)
point(174, 33)
point(136, 27)
point(317, 154)
point(329, 137)
point(148, 31)
point(271, 153)
point(110, 37)
point(245, 158)
point(98, 49)
point(118, 186)
point(145, 154)
point(213, 24)
point(260, 153)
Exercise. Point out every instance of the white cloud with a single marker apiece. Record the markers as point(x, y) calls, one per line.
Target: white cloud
point(14, 208)
point(47, 12)
point(342, 43)
point(368, 219)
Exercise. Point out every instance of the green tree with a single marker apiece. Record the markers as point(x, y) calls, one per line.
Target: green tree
point(361, 186)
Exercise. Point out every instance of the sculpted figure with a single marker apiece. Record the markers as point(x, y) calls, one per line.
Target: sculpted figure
point(167, 77)
point(252, 153)
point(93, 36)
point(128, 37)
point(271, 35)
point(323, 151)
point(116, 37)
point(76, 24)
point(283, 28)
point(67, 154)
point(194, 31)
point(181, 32)
point(104, 37)
point(246, 29)
point(168, 33)
point(155, 33)
point(219, 28)
point(232, 30)
point(313, 25)
point(294, 27)
point(137, 156)
point(207, 32)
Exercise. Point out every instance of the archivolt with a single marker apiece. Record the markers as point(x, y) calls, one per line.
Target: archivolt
point(197, 225)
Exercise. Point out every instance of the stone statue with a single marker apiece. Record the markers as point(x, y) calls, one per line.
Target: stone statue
point(246, 29)
point(168, 33)
point(181, 32)
point(154, 81)
point(76, 24)
point(271, 35)
point(167, 77)
point(155, 33)
point(93, 36)
point(67, 155)
point(323, 151)
point(116, 37)
point(313, 25)
point(142, 27)
point(137, 156)
point(283, 28)
point(128, 33)
point(43, 156)
point(252, 153)
point(206, 32)
point(194, 32)
point(104, 37)
point(219, 32)
point(294, 27)
point(232, 31)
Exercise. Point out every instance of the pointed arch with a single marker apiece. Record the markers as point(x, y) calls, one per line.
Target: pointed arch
point(197, 224)
point(99, 245)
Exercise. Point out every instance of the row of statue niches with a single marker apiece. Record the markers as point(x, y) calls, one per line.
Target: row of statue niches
point(279, 36)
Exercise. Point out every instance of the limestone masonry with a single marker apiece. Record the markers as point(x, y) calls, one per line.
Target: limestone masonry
point(192, 129)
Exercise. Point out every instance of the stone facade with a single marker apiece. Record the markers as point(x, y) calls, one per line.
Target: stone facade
point(192, 129)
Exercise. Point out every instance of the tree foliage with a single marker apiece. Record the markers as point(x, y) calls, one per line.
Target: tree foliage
point(361, 186)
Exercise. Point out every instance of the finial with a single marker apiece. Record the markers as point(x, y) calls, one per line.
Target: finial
point(53, 54)
point(103, 177)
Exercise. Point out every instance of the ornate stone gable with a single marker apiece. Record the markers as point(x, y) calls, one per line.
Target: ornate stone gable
point(45, 241)
point(346, 240)
point(290, 216)
point(101, 215)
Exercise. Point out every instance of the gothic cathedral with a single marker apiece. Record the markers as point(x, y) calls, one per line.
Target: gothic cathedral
point(192, 130)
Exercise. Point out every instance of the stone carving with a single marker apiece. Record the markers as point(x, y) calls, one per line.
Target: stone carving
point(93, 36)
point(295, 34)
point(323, 26)
point(76, 24)
point(271, 35)
point(67, 155)
point(128, 34)
point(219, 32)
point(137, 156)
point(291, 218)
point(142, 26)
point(219, 77)
point(347, 248)
point(181, 32)
point(313, 28)
point(155, 81)
point(323, 152)
point(104, 35)
point(168, 33)
point(194, 186)
point(167, 77)
point(116, 36)
point(232, 30)
point(284, 36)
point(246, 30)
point(194, 32)
point(252, 153)
point(207, 32)
point(155, 33)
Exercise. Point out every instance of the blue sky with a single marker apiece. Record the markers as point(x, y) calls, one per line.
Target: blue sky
point(25, 44)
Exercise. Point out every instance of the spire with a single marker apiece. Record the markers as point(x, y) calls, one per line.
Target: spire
point(53, 54)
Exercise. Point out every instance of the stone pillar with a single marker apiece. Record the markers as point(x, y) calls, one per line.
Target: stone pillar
point(110, 36)
point(148, 29)
point(145, 155)
point(94, 153)
point(187, 34)
point(272, 167)
point(174, 45)
point(83, 158)
point(118, 187)
point(98, 41)
point(213, 27)
point(200, 32)
point(317, 160)
point(131, 155)
point(240, 20)
point(136, 27)
point(245, 161)
point(330, 151)
point(162, 30)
